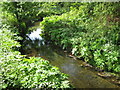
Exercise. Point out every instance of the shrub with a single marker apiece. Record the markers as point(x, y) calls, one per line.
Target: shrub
point(33, 73)
point(92, 32)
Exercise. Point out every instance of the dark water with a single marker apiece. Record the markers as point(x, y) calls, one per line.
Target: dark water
point(79, 76)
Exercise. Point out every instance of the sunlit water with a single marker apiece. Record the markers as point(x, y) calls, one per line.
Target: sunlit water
point(36, 34)
point(78, 76)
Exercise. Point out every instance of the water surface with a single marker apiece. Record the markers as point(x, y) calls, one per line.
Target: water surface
point(79, 76)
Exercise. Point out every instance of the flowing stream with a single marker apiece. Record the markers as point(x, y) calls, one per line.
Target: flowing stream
point(80, 77)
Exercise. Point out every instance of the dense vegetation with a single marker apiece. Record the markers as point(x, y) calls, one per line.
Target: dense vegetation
point(20, 72)
point(91, 31)
point(16, 70)
point(20, 15)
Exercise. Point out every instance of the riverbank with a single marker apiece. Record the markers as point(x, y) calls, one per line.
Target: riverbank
point(80, 74)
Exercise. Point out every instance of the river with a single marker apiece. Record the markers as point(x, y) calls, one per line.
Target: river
point(79, 77)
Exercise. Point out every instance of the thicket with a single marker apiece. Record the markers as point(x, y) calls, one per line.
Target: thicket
point(18, 72)
point(91, 31)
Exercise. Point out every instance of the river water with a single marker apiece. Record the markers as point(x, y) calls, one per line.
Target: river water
point(80, 77)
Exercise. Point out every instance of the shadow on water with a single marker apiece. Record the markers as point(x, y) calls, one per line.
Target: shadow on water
point(79, 76)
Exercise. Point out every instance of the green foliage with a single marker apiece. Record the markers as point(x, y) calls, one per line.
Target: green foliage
point(34, 73)
point(19, 72)
point(53, 8)
point(92, 32)
point(21, 15)
point(7, 55)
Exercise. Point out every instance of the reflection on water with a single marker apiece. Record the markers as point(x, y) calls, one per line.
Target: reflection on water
point(35, 34)
point(78, 76)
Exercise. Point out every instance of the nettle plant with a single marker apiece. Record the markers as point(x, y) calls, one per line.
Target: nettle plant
point(20, 72)
point(34, 73)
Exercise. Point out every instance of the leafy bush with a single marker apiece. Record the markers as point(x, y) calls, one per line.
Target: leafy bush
point(92, 32)
point(19, 72)
point(33, 73)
